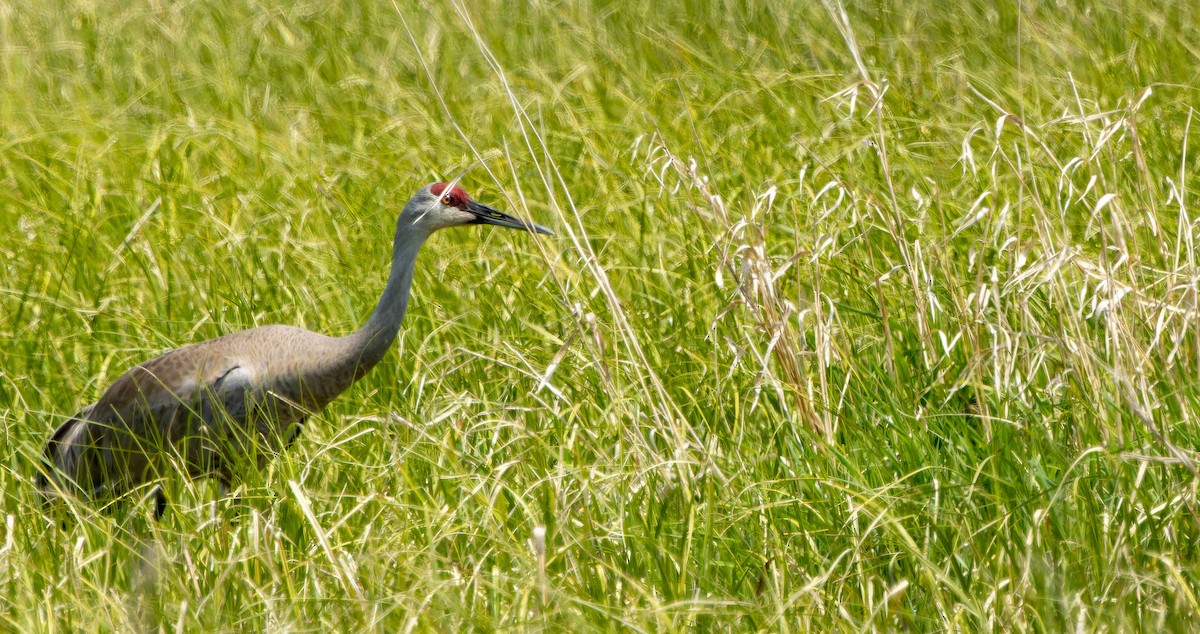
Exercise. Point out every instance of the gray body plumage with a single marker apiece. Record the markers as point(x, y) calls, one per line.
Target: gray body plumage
point(208, 405)
point(204, 406)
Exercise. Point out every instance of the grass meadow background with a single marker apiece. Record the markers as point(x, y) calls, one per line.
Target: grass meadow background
point(879, 316)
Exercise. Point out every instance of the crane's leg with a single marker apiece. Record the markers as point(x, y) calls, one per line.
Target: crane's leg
point(160, 502)
point(296, 430)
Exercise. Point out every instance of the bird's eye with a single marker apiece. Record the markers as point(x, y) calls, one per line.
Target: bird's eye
point(447, 200)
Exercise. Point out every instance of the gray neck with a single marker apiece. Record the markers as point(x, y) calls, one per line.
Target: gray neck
point(364, 348)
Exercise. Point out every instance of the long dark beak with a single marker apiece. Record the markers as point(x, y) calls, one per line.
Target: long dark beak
point(485, 215)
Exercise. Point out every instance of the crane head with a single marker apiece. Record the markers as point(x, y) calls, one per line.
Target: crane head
point(441, 205)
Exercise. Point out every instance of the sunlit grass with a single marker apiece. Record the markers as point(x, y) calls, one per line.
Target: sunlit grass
point(867, 318)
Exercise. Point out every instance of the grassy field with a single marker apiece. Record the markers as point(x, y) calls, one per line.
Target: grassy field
point(875, 317)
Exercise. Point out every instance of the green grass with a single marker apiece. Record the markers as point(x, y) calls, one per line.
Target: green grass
point(879, 324)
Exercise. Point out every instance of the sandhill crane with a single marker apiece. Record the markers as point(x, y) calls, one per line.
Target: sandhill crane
point(209, 404)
